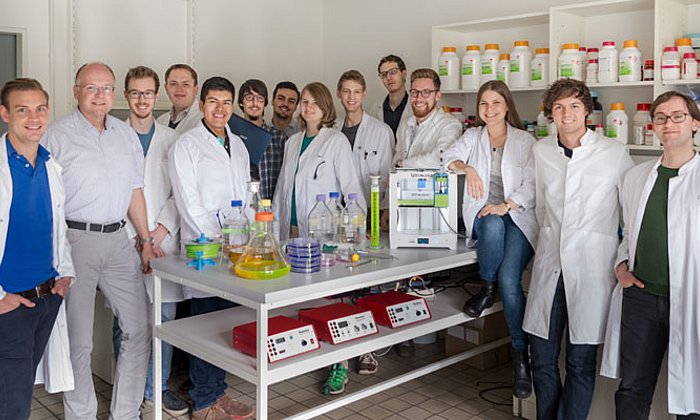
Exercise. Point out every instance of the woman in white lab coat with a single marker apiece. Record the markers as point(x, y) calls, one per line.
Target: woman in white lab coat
point(498, 211)
point(317, 160)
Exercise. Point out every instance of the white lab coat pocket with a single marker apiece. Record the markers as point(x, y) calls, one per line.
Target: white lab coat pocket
point(55, 370)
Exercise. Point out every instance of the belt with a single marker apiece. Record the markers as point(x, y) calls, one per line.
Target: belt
point(41, 290)
point(94, 227)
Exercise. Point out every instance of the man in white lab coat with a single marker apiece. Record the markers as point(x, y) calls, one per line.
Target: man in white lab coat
point(209, 167)
point(141, 92)
point(577, 176)
point(181, 86)
point(656, 304)
point(394, 108)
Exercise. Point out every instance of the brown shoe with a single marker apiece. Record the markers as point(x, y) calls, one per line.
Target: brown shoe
point(234, 408)
point(213, 412)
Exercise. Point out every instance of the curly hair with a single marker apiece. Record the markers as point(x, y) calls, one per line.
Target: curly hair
point(566, 88)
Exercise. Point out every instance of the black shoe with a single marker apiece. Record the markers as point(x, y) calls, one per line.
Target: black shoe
point(482, 300)
point(522, 381)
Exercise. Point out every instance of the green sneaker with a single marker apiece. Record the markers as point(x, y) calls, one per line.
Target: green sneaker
point(337, 378)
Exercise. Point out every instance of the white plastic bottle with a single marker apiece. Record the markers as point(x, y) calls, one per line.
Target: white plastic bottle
point(448, 69)
point(520, 60)
point(684, 45)
point(539, 68)
point(354, 224)
point(608, 63)
point(489, 63)
point(584, 61)
point(630, 69)
point(570, 65)
point(471, 68)
point(320, 220)
point(542, 125)
point(690, 67)
point(639, 122)
point(592, 71)
point(616, 124)
point(503, 72)
point(670, 64)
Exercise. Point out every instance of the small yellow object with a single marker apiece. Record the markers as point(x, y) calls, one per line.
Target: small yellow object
point(355, 257)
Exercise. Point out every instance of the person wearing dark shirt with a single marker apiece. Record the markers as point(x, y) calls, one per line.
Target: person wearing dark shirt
point(393, 108)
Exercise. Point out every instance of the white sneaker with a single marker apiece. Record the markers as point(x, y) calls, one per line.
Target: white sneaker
point(368, 364)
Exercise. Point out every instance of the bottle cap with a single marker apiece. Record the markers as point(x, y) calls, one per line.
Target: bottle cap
point(689, 55)
point(582, 49)
point(473, 48)
point(521, 43)
point(542, 51)
point(569, 47)
point(265, 202)
point(631, 43)
point(334, 194)
point(643, 107)
point(455, 109)
point(504, 56)
point(608, 43)
point(491, 47)
point(670, 48)
point(352, 196)
point(684, 42)
point(592, 50)
point(320, 197)
point(617, 106)
point(449, 49)
point(263, 216)
point(236, 203)
point(593, 60)
point(649, 63)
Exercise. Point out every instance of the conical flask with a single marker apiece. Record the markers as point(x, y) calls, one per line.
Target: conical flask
point(263, 258)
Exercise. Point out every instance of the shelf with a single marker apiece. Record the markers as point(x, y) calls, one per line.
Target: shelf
point(496, 24)
point(209, 336)
point(512, 89)
point(649, 83)
point(643, 147)
point(681, 82)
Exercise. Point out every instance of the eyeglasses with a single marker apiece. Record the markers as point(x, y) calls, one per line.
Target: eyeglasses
point(391, 72)
point(676, 117)
point(253, 98)
point(425, 93)
point(136, 94)
point(92, 89)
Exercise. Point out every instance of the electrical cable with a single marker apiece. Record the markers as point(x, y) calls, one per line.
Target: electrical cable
point(498, 385)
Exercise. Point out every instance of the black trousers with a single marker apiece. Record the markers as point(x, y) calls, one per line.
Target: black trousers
point(644, 340)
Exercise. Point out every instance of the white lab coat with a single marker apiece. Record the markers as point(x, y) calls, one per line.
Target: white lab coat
point(430, 139)
point(193, 117)
point(204, 181)
point(160, 204)
point(377, 111)
point(373, 153)
point(684, 278)
point(578, 212)
point(57, 370)
point(324, 167)
point(517, 171)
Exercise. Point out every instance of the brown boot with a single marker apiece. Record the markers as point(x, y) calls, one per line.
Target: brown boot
point(213, 412)
point(234, 408)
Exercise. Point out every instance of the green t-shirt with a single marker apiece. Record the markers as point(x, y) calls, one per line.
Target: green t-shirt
point(651, 260)
point(304, 145)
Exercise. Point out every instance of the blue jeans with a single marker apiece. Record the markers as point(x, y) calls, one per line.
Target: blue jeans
point(25, 332)
point(573, 400)
point(167, 314)
point(504, 252)
point(207, 380)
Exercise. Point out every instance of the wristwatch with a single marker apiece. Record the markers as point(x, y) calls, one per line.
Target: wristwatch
point(149, 240)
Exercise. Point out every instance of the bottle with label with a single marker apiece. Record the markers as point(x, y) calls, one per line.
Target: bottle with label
point(650, 138)
point(336, 208)
point(595, 117)
point(599, 130)
point(234, 232)
point(542, 130)
point(608, 62)
point(448, 69)
point(354, 225)
point(648, 72)
point(670, 64)
point(640, 121)
point(471, 68)
point(320, 221)
point(252, 202)
point(584, 61)
point(690, 67)
point(592, 71)
point(266, 207)
point(503, 72)
point(684, 45)
point(489, 63)
point(570, 65)
point(630, 69)
point(520, 60)
point(539, 68)
point(616, 126)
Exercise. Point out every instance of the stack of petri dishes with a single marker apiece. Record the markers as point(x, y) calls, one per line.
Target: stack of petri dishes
point(304, 255)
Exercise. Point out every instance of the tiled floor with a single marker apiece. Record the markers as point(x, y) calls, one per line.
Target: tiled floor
point(451, 393)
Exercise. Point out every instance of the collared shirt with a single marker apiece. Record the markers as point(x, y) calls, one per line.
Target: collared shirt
point(392, 117)
point(269, 169)
point(100, 169)
point(226, 142)
point(28, 258)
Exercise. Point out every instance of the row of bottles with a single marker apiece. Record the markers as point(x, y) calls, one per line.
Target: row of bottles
point(330, 221)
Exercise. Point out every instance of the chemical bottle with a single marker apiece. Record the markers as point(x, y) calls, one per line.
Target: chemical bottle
point(252, 202)
point(616, 126)
point(595, 117)
point(584, 61)
point(448, 69)
point(608, 62)
point(263, 257)
point(570, 62)
point(552, 129)
point(320, 220)
point(503, 72)
point(266, 206)
point(457, 113)
point(471, 67)
point(630, 69)
point(592, 71)
point(684, 45)
point(670, 64)
point(520, 60)
point(650, 138)
point(354, 222)
point(336, 208)
point(600, 130)
point(592, 53)
point(690, 67)
point(542, 130)
point(648, 73)
point(639, 122)
point(234, 233)
point(539, 68)
point(489, 63)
